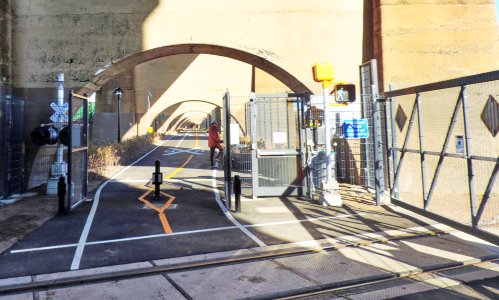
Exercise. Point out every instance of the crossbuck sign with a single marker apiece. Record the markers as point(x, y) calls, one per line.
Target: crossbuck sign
point(60, 114)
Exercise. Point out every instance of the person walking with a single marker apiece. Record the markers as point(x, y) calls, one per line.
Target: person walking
point(214, 142)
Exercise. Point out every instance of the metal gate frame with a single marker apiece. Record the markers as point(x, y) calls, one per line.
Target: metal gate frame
point(287, 158)
point(12, 146)
point(284, 156)
point(77, 155)
point(373, 146)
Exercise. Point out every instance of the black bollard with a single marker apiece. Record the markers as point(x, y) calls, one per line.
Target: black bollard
point(237, 192)
point(157, 179)
point(61, 192)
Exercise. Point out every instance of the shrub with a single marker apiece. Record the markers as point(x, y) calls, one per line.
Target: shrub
point(133, 148)
point(102, 156)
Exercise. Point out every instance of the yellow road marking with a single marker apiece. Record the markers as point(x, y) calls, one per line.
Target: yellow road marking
point(165, 224)
point(180, 168)
point(161, 210)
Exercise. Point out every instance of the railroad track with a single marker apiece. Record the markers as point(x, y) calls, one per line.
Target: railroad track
point(240, 259)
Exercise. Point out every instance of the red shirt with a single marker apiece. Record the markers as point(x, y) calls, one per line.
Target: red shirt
point(213, 138)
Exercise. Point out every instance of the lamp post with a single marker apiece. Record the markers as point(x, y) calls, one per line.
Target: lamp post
point(149, 95)
point(118, 92)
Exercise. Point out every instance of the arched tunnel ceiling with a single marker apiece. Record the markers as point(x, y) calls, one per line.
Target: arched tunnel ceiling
point(185, 108)
point(129, 62)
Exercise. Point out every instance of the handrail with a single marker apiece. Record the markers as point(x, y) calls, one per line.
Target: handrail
point(451, 83)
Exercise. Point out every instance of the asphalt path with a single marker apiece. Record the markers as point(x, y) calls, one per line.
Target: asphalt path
point(125, 223)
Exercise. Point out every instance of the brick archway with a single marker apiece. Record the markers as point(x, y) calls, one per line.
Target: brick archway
point(131, 61)
point(177, 104)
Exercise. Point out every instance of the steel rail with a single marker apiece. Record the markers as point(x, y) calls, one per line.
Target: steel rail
point(196, 265)
point(389, 278)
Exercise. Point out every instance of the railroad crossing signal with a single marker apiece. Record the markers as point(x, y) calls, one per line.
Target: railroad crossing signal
point(49, 135)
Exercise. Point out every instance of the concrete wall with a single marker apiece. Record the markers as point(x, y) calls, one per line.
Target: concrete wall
point(416, 41)
point(422, 41)
point(79, 38)
point(6, 19)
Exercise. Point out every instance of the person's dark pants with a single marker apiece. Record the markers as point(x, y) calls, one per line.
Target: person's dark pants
point(212, 153)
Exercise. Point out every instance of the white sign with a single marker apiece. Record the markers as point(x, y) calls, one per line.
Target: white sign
point(279, 137)
point(60, 109)
point(56, 117)
point(60, 112)
point(234, 134)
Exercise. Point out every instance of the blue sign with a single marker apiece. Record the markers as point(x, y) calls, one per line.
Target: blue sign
point(355, 129)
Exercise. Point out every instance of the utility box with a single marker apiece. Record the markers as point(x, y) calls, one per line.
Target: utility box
point(76, 135)
point(323, 72)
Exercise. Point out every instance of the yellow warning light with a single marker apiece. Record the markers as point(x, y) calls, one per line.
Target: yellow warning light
point(150, 130)
point(323, 73)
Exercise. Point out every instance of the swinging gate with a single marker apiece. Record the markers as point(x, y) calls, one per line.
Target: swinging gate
point(77, 154)
point(267, 155)
point(12, 147)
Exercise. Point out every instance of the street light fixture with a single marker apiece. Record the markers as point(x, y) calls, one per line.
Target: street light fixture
point(118, 92)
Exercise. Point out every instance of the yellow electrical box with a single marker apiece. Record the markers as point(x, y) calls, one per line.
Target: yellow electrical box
point(323, 72)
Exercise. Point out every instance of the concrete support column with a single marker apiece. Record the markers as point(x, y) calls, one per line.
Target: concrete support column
point(5, 47)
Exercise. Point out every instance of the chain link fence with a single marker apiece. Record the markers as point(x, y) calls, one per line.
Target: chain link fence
point(443, 148)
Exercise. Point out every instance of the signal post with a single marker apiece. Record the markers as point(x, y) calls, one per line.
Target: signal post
point(324, 73)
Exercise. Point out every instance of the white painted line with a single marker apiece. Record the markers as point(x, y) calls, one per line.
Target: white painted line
point(78, 203)
point(43, 248)
point(75, 264)
point(227, 213)
point(167, 180)
point(129, 180)
point(188, 179)
point(307, 219)
point(351, 238)
point(126, 239)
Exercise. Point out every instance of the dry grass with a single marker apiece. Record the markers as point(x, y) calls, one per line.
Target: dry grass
point(105, 156)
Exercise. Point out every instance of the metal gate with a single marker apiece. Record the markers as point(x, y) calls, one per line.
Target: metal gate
point(269, 159)
point(373, 162)
point(11, 146)
point(77, 155)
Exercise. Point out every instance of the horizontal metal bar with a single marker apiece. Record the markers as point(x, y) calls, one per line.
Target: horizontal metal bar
point(271, 96)
point(79, 149)
point(287, 152)
point(474, 79)
point(80, 96)
point(484, 158)
point(455, 155)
